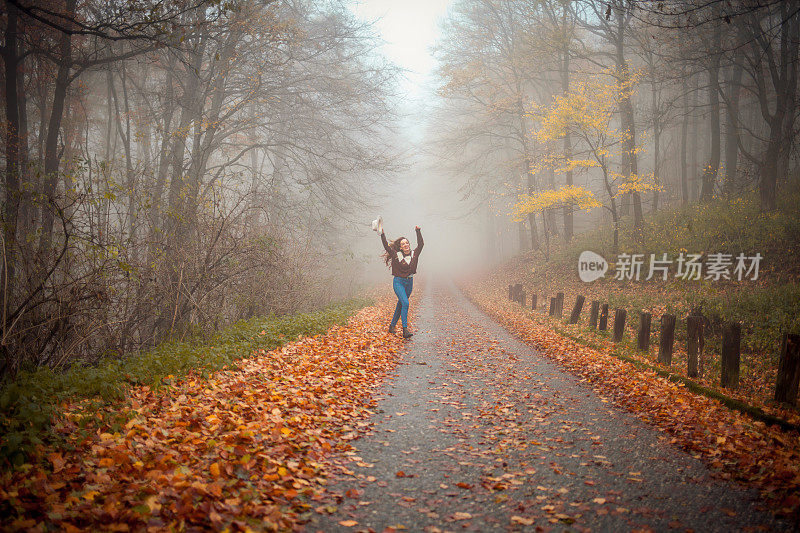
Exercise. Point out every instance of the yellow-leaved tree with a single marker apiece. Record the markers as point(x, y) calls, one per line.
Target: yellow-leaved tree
point(567, 197)
point(586, 114)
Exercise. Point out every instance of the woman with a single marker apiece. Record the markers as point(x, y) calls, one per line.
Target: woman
point(404, 265)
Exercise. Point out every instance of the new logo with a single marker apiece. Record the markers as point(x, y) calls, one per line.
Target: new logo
point(591, 266)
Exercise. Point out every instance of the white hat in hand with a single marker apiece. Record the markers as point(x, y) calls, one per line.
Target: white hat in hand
point(377, 224)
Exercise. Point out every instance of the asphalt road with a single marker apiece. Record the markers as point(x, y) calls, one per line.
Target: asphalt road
point(477, 432)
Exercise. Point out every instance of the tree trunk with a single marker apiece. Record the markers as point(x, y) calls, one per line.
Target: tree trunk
point(24, 222)
point(164, 151)
point(523, 237)
point(614, 214)
point(568, 220)
point(694, 144)
point(12, 182)
point(710, 173)
point(684, 136)
point(732, 128)
point(769, 172)
point(629, 160)
point(534, 232)
point(51, 154)
point(493, 248)
point(790, 40)
point(551, 214)
point(656, 144)
point(531, 216)
point(530, 182)
point(777, 150)
point(174, 223)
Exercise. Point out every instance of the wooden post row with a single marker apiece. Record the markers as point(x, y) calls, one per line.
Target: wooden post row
point(619, 323)
point(593, 314)
point(603, 318)
point(788, 369)
point(666, 342)
point(552, 306)
point(643, 342)
point(560, 304)
point(576, 310)
point(693, 345)
point(533, 301)
point(731, 355)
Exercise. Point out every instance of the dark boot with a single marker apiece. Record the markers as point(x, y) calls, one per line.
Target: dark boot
point(406, 334)
point(393, 330)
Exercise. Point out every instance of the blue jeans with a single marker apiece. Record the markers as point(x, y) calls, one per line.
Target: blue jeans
point(402, 288)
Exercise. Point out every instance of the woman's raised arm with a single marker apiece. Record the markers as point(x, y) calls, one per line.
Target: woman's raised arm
point(420, 242)
point(386, 244)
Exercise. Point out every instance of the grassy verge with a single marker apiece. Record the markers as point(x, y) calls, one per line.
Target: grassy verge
point(30, 403)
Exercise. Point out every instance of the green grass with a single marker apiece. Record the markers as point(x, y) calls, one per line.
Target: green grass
point(30, 403)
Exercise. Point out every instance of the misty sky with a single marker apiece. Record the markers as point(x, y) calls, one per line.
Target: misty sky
point(410, 29)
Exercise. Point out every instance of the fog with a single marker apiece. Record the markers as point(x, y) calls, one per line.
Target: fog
point(176, 167)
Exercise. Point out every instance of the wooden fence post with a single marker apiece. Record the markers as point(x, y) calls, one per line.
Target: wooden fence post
point(666, 342)
point(511, 292)
point(522, 298)
point(619, 323)
point(731, 353)
point(593, 314)
point(692, 344)
point(603, 318)
point(552, 306)
point(533, 301)
point(576, 311)
point(788, 369)
point(701, 340)
point(560, 304)
point(644, 331)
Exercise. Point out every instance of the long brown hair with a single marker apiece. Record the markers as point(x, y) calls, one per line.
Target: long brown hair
point(394, 245)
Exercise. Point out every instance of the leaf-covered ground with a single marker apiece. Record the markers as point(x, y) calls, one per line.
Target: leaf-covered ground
point(244, 448)
point(474, 430)
point(478, 431)
point(734, 445)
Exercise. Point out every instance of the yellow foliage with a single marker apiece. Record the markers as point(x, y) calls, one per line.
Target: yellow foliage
point(564, 197)
point(636, 183)
point(572, 164)
point(586, 110)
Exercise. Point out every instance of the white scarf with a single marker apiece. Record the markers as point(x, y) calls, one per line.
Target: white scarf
point(402, 258)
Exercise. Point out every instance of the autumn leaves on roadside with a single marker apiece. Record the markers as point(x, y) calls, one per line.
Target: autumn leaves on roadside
point(736, 446)
point(244, 448)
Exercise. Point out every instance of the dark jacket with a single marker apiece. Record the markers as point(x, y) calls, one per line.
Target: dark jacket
point(401, 268)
